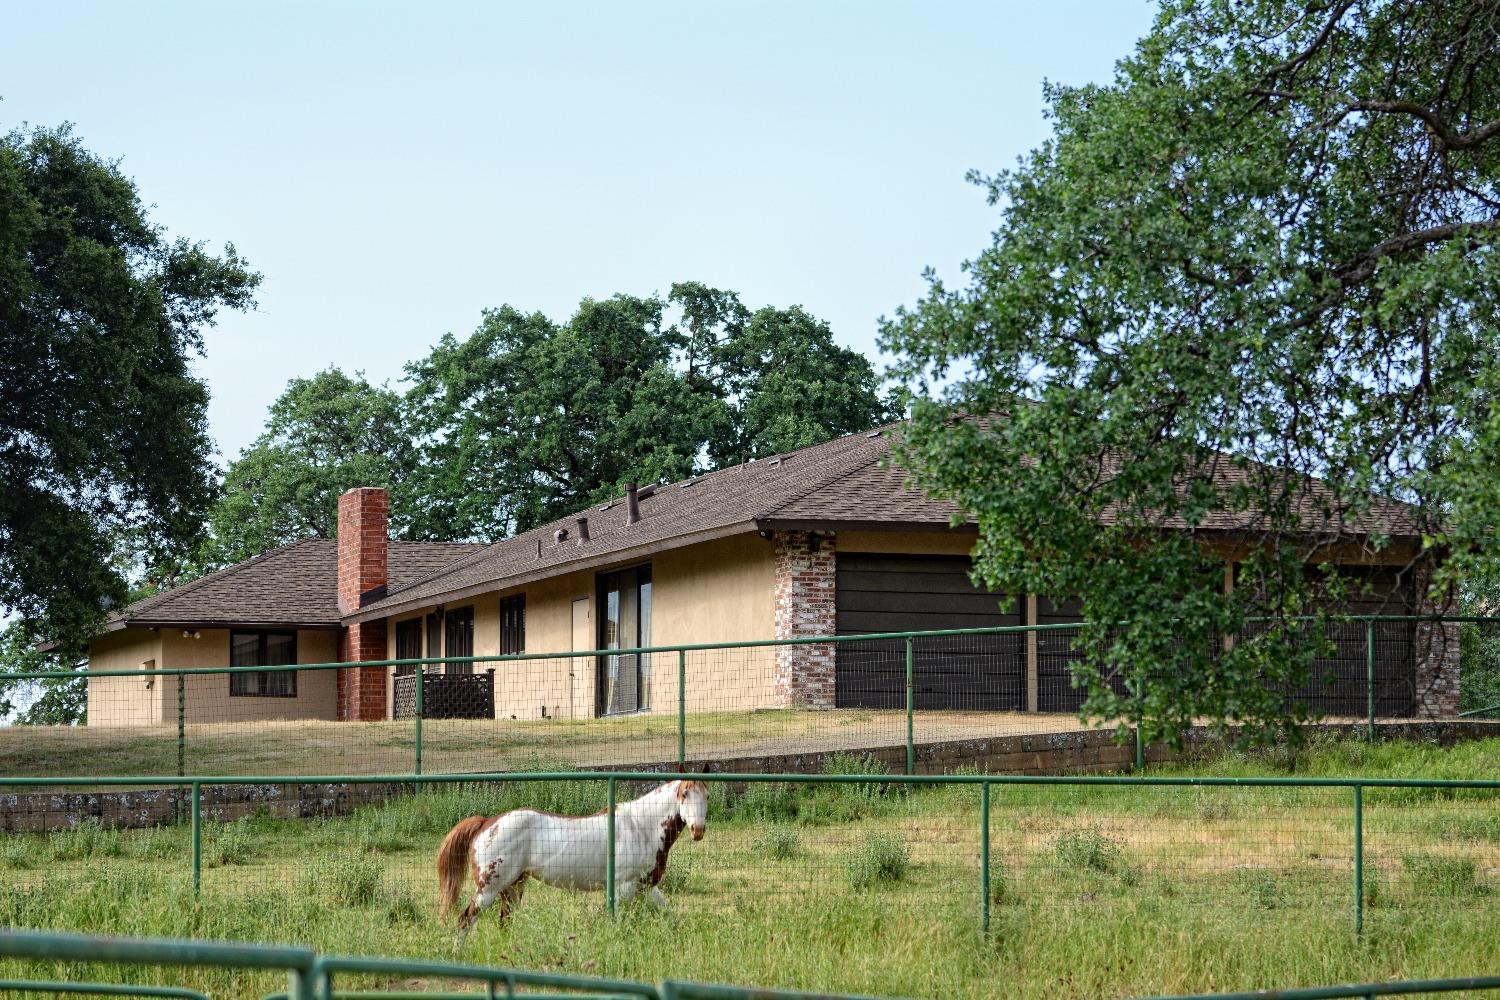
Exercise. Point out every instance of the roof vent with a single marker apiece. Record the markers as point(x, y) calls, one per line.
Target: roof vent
point(539, 546)
point(648, 491)
point(583, 530)
point(687, 484)
point(632, 504)
point(873, 434)
point(774, 461)
point(560, 535)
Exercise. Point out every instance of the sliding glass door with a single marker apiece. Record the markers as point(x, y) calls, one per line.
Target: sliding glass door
point(625, 623)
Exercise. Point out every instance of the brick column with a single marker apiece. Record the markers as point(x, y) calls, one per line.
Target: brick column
point(363, 543)
point(805, 606)
point(1436, 655)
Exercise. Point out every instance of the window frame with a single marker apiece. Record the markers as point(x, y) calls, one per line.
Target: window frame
point(262, 678)
point(513, 625)
point(454, 620)
point(408, 626)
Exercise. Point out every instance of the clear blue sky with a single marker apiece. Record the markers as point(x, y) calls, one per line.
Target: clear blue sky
point(394, 169)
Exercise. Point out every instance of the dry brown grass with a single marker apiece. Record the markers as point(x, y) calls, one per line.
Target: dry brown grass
point(460, 746)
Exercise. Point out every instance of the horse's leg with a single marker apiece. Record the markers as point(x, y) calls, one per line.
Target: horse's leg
point(658, 899)
point(493, 881)
point(511, 895)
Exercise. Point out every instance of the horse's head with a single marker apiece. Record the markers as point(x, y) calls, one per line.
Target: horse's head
point(692, 806)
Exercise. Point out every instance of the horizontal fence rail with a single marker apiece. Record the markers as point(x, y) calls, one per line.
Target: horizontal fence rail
point(313, 977)
point(907, 697)
point(1048, 840)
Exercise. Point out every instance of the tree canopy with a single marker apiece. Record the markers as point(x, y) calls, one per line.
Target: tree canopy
point(1264, 253)
point(103, 436)
point(323, 435)
point(529, 418)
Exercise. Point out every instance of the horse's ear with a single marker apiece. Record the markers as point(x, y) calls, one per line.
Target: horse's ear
point(681, 767)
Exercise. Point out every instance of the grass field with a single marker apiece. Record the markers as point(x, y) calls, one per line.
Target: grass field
point(453, 745)
point(1095, 891)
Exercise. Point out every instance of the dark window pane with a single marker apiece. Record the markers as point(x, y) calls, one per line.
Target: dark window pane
point(513, 625)
point(244, 649)
point(458, 639)
point(263, 649)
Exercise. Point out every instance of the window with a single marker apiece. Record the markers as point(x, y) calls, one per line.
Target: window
point(625, 680)
point(513, 625)
point(408, 644)
point(458, 638)
point(263, 649)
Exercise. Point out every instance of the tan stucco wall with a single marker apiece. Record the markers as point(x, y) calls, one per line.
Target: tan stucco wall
point(207, 695)
point(712, 592)
point(125, 701)
point(721, 591)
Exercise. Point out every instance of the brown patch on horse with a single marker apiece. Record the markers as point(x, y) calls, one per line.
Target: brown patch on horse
point(671, 829)
point(683, 787)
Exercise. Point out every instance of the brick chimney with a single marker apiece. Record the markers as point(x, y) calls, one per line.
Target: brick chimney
point(363, 544)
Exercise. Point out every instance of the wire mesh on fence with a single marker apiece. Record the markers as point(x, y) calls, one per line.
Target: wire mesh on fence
point(757, 706)
point(854, 860)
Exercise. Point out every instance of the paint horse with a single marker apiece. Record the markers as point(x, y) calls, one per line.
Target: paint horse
point(569, 852)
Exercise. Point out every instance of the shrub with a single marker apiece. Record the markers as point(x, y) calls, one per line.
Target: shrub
point(1449, 875)
point(346, 881)
point(843, 763)
point(1090, 848)
point(780, 843)
point(1261, 888)
point(155, 844)
point(19, 853)
point(233, 844)
point(401, 908)
point(86, 840)
point(682, 874)
point(768, 801)
point(881, 857)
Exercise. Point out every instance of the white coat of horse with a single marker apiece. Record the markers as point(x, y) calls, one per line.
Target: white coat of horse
point(570, 852)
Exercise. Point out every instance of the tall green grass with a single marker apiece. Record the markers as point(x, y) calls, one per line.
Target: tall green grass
point(1093, 891)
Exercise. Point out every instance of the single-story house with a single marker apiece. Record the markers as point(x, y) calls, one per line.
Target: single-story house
point(823, 540)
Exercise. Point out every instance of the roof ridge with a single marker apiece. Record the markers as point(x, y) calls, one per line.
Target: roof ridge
point(171, 593)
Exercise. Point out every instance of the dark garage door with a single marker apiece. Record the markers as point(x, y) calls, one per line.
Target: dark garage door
point(903, 593)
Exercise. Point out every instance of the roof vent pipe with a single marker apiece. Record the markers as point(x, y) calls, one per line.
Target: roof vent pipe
point(632, 504)
point(559, 536)
point(583, 530)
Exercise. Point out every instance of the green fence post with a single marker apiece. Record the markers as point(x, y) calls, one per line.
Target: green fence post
point(181, 728)
point(197, 837)
point(300, 984)
point(1359, 860)
point(911, 749)
point(609, 858)
point(984, 857)
point(1140, 751)
point(682, 707)
point(421, 679)
point(1370, 681)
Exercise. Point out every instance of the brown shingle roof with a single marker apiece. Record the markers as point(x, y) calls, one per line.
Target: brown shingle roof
point(839, 483)
point(294, 584)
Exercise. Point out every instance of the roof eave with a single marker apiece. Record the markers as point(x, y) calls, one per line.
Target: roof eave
point(394, 606)
point(845, 524)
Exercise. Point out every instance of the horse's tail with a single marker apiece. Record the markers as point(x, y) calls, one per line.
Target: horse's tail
point(453, 859)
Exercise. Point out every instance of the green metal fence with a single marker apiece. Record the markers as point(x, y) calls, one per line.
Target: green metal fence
point(896, 693)
point(315, 977)
point(1105, 834)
